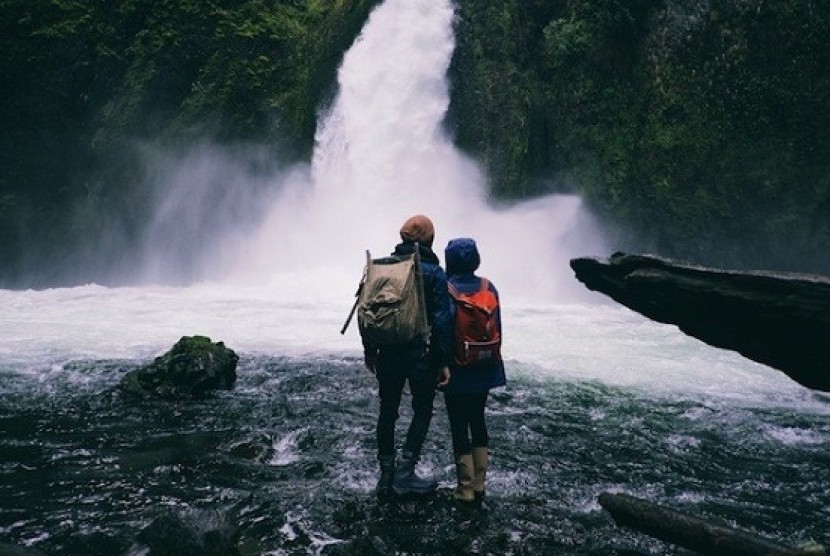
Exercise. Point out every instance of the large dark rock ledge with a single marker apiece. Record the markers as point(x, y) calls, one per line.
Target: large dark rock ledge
point(778, 319)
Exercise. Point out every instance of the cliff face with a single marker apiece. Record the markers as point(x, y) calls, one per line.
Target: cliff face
point(698, 128)
point(695, 129)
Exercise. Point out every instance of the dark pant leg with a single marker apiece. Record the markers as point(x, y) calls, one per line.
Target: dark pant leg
point(478, 425)
point(467, 423)
point(423, 394)
point(390, 388)
point(459, 423)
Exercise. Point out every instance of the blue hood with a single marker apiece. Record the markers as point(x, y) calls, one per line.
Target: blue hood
point(462, 256)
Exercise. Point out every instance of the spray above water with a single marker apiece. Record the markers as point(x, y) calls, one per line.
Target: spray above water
point(381, 156)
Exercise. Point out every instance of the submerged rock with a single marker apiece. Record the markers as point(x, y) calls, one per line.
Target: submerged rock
point(16, 550)
point(194, 534)
point(778, 319)
point(193, 367)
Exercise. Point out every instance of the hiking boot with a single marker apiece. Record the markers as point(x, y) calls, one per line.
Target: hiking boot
point(464, 473)
point(481, 461)
point(387, 475)
point(407, 482)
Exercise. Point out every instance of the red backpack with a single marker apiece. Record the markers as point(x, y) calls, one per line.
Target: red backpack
point(477, 334)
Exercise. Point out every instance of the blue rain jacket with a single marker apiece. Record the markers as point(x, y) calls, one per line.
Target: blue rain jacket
point(462, 258)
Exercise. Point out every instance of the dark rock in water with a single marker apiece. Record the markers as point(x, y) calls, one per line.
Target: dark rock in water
point(778, 319)
point(258, 447)
point(15, 550)
point(197, 534)
point(194, 366)
point(433, 524)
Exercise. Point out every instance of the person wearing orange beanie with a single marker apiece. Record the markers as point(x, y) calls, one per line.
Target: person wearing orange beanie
point(423, 365)
point(418, 229)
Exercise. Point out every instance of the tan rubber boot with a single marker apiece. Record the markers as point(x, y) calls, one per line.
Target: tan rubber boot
point(481, 460)
point(464, 471)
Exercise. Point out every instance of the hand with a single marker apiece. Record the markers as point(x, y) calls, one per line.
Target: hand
point(443, 377)
point(370, 362)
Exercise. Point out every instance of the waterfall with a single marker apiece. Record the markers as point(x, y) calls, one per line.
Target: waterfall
point(381, 155)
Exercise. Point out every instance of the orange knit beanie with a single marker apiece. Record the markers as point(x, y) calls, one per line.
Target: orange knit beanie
point(419, 229)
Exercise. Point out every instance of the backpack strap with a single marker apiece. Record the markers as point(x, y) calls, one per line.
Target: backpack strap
point(453, 290)
point(358, 292)
point(422, 292)
point(484, 285)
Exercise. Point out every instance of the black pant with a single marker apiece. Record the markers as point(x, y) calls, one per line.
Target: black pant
point(391, 387)
point(466, 413)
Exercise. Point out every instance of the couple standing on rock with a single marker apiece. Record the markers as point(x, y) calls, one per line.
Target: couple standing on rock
point(427, 365)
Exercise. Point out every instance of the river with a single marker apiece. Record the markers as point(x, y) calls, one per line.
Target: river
point(598, 397)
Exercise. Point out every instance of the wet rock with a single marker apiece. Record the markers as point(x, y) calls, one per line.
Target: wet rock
point(178, 449)
point(193, 367)
point(259, 447)
point(778, 319)
point(194, 534)
point(433, 524)
point(15, 550)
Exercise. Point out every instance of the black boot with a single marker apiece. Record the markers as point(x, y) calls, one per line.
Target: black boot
point(387, 475)
point(407, 482)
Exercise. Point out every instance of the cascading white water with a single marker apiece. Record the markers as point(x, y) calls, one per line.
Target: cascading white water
point(381, 155)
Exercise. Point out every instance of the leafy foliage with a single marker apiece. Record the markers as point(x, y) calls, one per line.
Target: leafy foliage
point(700, 125)
point(84, 80)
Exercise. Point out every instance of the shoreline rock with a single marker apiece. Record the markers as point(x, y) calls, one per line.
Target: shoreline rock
point(779, 319)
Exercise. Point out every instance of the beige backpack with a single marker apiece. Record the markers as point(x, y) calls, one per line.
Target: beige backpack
point(391, 308)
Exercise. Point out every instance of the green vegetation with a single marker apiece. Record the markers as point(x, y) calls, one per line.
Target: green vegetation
point(699, 126)
point(85, 80)
point(696, 128)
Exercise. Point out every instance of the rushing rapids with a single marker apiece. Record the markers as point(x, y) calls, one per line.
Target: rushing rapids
point(599, 399)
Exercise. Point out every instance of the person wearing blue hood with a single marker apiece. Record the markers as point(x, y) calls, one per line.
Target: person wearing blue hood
point(466, 393)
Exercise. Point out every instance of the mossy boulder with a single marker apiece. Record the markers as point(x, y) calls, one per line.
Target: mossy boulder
point(192, 368)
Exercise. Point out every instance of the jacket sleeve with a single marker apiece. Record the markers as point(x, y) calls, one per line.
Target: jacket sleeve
point(493, 289)
point(439, 308)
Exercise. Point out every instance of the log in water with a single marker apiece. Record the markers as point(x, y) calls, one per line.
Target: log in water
point(700, 535)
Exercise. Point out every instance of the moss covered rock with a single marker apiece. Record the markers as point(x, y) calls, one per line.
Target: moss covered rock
point(193, 367)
